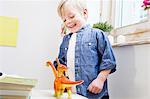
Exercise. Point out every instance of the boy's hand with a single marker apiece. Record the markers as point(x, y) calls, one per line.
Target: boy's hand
point(96, 86)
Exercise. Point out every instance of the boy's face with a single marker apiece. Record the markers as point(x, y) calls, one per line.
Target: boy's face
point(73, 18)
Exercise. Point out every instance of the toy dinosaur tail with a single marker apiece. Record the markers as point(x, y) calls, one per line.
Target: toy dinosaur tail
point(53, 68)
point(70, 83)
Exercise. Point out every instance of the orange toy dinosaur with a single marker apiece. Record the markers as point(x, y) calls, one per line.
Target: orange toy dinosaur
point(61, 81)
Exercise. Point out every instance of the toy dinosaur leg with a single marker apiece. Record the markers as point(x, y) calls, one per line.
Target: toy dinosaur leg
point(62, 91)
point(57, 91)
point(58, 94)
point(69, 92)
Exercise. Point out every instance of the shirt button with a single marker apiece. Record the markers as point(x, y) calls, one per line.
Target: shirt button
point(78, 89)
point(78, 70)
point(77, 48)
point(77, 75)
point(65, 48)
point(77, 61)
point(89, 44)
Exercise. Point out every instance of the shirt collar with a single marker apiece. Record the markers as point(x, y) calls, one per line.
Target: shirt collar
point(86, 26)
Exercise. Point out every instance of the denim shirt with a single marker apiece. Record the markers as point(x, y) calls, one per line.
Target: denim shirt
point(93, 53)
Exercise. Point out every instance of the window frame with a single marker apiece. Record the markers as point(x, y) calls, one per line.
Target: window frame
point(139, 31)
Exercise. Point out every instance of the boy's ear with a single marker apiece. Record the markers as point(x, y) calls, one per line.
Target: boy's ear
point(85, 13)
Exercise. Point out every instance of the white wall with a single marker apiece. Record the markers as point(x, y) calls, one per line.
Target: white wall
point(132, 78)
point(38, 38)
point(94, 11)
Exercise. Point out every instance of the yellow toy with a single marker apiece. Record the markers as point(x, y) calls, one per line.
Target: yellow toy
point(61, 81)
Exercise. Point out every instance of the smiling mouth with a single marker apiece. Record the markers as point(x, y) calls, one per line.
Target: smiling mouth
point(72, 26)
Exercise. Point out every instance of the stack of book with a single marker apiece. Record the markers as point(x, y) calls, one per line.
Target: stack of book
point(14, 87)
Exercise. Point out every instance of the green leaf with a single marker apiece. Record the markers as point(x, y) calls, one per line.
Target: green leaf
point(104, 26)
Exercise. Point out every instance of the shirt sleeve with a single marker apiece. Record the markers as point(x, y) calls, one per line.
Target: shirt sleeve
point(108, 61)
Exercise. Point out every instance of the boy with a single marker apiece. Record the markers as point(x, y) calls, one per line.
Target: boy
point(85, 50)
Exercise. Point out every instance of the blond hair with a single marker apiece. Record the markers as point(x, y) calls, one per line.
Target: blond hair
point(80, 5)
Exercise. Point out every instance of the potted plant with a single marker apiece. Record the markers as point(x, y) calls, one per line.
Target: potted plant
point(107, 28)
point(104, 26)
point(146, 6)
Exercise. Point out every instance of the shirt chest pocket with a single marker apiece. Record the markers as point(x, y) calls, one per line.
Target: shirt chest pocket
point(89, 46)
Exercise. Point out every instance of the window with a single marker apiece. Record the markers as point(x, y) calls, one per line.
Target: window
point(128, 12)
point(130, 21)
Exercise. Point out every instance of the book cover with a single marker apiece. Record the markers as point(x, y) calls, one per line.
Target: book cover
point(13, 94)
point(9, 86)
point(9, 82)
point(14, 97)
point(17, 80)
